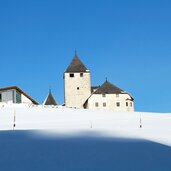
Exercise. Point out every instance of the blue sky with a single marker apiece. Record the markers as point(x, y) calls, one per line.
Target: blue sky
point(129, 42)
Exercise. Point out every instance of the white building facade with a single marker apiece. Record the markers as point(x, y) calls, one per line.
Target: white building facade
point(110, 97)
point(15, 95)
point(78, 92)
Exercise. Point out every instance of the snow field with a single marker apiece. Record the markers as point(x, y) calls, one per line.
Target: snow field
point(154, 126)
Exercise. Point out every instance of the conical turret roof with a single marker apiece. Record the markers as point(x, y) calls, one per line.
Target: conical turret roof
point(108, 88)
point(76, 66)
point(50, 100)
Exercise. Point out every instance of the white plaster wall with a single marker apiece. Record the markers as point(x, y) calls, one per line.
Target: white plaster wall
point(111, 100)
point(7, 97)
point(73, 96)
point(24, 99)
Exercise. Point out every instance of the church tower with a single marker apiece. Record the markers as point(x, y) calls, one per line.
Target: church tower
point(77, 87)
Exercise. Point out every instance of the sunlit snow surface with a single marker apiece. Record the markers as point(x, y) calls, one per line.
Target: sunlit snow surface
point(60, 139)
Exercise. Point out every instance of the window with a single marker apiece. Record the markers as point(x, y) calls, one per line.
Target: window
point(0, 97)
point(78, 88)
point(118, 104)
point(96, 104)
point(126, 104)
point(18, 97)
point(104, 104)
point(103, 95)
point(117, 95)
point(81, 74)
point(71, 75)
point(131, 104)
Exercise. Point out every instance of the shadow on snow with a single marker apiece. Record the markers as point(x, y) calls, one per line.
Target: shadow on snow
point(22, 152)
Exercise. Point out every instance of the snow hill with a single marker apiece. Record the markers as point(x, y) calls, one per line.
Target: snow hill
point(154, 127)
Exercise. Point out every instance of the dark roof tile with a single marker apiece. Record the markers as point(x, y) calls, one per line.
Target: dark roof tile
point(76, 66)
point(50, 100)
point(108, 88)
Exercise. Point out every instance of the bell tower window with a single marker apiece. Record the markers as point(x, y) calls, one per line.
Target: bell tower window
point(71, 75)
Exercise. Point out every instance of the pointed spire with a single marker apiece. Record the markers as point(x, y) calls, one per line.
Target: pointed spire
point(75, 52)
point(50, 99)
point(106, 79)
point(76, 65)
point(49, 89)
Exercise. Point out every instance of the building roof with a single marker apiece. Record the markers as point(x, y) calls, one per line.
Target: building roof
point(76, 66)
point(94, 88)
point(50, 100)
point(19, 90)
point(108, 88)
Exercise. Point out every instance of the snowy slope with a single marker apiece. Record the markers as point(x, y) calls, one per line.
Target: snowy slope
point(21, 151)
point(155, 126)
